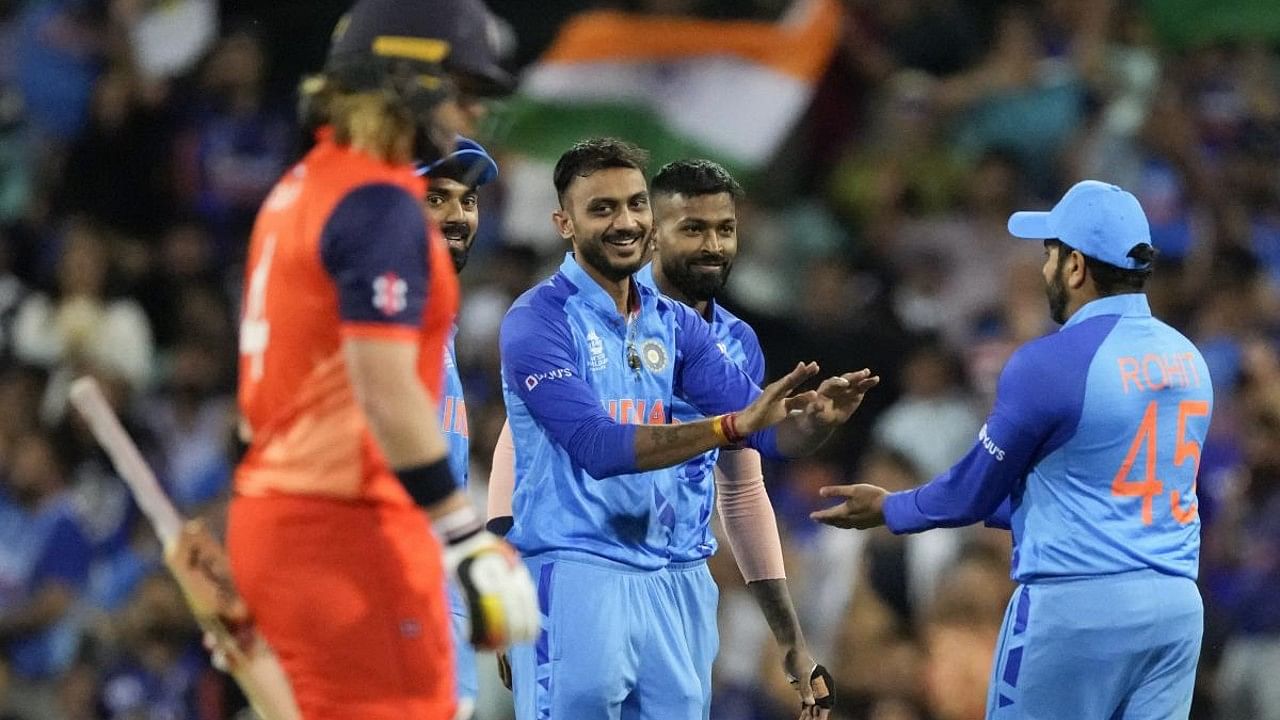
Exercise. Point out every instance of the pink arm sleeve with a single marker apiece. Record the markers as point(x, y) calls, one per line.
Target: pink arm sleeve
point(502, 476)
point(747, 515)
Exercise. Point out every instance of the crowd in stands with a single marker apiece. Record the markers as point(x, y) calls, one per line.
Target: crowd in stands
point(137, 139)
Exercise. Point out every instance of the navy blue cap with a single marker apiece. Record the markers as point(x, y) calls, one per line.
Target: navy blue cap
point(460, 35)
point(469, 154)
point(1100, 220)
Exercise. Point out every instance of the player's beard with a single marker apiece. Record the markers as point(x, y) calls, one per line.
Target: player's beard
point(595, 253)
point(697, 285)
point(1056, 291)
point(458, 251)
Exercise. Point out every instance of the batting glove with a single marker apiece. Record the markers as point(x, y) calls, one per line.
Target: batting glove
point(501, 601)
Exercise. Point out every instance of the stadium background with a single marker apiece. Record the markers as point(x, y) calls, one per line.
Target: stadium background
point(138, 137)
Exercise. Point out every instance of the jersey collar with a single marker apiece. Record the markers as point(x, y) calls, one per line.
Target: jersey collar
point(595, 296)
point(1127, 305)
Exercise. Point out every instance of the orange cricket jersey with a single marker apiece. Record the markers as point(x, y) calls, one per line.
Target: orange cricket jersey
point(309, 436)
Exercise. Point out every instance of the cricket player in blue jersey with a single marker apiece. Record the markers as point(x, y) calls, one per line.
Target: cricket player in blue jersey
point(695, 244)
point(453, 204)
point(1090, 457)
point(592, 363)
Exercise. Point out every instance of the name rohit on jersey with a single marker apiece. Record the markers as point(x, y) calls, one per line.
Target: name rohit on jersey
point(1158, 372)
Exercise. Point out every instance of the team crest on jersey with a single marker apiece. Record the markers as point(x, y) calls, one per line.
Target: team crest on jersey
point(595, 347)
point(390, 294)
point(654, 355)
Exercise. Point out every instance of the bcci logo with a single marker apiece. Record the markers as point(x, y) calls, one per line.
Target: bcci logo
point(654, 356)
point(389, 293)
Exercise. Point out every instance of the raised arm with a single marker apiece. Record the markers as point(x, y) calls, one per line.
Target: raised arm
point(539, 364)
point(1024, 424)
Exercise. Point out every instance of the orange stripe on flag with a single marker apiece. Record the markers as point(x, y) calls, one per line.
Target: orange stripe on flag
point(801, 50)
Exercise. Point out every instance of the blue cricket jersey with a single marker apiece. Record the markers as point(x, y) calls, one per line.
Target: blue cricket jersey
point(453, 416)
point(577, 379)
point(692, 538)
point(1095, 441)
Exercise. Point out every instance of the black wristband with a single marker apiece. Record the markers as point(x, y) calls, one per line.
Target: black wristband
point(428, 484)
point(500, 526)
point(827, 701)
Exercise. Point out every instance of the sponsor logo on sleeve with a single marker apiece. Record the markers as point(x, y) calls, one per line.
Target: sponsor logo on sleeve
point(390, 294)
point(532, 381)
point(990, 445)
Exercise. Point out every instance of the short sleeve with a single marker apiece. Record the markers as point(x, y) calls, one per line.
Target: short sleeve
point(374, 246)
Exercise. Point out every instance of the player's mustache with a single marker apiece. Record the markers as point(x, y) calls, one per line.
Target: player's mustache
point(710, 259)
point(456, 228)
point(622, 235)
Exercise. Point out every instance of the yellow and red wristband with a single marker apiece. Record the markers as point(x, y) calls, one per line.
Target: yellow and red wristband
point(726, 429)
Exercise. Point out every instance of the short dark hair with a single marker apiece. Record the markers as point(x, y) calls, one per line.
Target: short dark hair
point(588, 156)
point(694, 177)
point(1110, 279)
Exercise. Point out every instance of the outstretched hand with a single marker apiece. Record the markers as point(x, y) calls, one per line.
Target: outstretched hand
point(776, 401)
point(838, 397)
point(862, 509)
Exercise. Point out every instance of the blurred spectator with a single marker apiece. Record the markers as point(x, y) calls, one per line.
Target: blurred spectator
point(961, 633)
point(16, 175)
point(12, 292)
point(60, 46)
point(903, 166)
point(1018, 98)
point(20, 391)
point(839, 320)
point(162, 667)
point(79, 327)
point(44, 567)
point(1243, 559)
point(192, 425)
point(236, 144)
point(168, 38)
point(953, 264)
point(934, 422)
point(124, 130)
point(183, 283)
point(137, 139)
point(1022, 316)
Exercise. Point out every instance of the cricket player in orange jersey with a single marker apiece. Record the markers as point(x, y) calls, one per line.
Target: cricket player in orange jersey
point(349, 299)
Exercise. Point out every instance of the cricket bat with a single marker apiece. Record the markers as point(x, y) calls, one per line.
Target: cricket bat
point(196, 560)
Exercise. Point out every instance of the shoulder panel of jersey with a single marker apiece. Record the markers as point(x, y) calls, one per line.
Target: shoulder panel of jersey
point(308, 434)
point(1082, 509)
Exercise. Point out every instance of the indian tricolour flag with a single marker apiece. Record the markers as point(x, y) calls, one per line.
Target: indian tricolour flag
point(679, 87)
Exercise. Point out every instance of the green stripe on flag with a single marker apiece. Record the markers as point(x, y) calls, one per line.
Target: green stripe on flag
point(1191, 23)
point(543, 130)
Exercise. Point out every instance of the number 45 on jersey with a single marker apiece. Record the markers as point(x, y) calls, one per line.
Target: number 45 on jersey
point(1149, 487)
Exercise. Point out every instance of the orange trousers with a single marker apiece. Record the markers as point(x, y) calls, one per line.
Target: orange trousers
point(351, 596)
